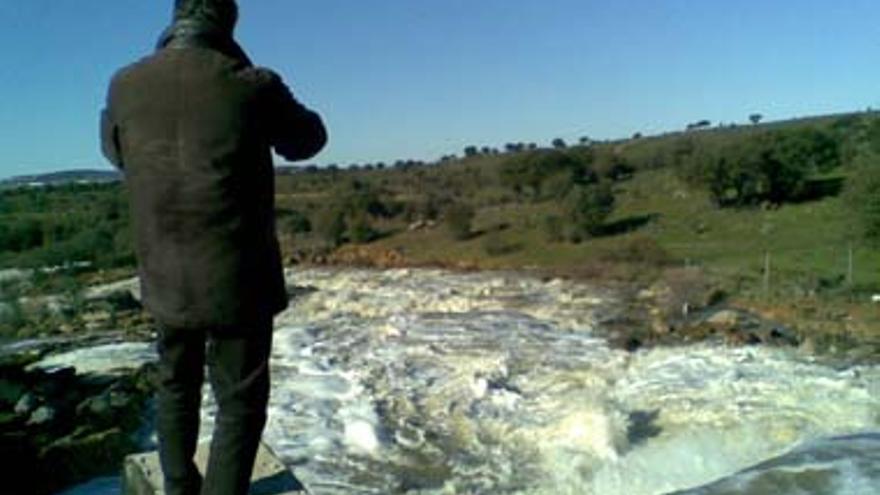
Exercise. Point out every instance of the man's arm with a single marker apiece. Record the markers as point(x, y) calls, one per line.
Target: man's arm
point(296, 133)
point(110, 138)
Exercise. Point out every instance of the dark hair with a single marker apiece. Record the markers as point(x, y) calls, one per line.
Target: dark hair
point(223, 13)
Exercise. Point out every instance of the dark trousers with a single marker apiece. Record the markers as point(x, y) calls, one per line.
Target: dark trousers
point(238, 370)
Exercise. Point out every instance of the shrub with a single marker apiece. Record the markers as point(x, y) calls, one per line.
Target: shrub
point(639, 250)
point(21, 234)
point(495, 245)
point(12, 317)
point(294, 222)
point(558, 185)
point(554, 228)
point(330, 225)
point(360, 231)
point(588, 208)
point(458, 220)
point(427, 208)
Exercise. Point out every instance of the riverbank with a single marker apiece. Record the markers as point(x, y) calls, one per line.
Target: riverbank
point(667, 304)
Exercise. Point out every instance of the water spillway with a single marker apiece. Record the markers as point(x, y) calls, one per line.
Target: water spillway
point(430, 382)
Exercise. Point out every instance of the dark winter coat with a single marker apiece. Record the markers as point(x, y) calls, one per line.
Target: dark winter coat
point(192, 128)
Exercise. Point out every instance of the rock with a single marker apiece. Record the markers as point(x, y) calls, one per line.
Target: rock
point(421, 225)
point(783, 336)
point(142, 474)
point(808, 346)
point(659, 326)
point(66, 428)
point(123, 300)
point(96, 320)
point(67, 328)
point(6, 311)
point(298, 291)
point(632, 344)
point(418, 225)
point(27, 404)
point(368, 256)
point(120, 293)
point(11, 390)
point(828, 465)
point(56, 382)
point(119, 404)
point(83, 455)
point(108, 408)
point(42, 416)
point(725, 319)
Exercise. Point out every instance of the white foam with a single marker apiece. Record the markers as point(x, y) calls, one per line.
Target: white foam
point(105, 359)
point(496, 384)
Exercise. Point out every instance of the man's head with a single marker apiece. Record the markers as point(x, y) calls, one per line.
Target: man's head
point(221, 13)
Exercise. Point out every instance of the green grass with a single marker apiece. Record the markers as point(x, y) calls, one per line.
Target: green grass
point(808, 243)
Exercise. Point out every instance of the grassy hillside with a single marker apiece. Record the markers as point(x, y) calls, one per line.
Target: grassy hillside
point(658, 217)
point(514, 210)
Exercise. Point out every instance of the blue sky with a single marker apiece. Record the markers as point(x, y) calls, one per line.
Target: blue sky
point(421, 78)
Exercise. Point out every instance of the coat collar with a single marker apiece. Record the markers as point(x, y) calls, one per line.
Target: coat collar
point(188, 33)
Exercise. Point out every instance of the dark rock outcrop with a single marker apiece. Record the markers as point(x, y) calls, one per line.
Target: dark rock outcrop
point(58, 428)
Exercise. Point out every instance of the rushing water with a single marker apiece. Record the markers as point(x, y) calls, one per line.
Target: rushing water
point(427, 382)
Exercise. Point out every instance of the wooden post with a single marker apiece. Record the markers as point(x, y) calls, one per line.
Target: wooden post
point(767, 273)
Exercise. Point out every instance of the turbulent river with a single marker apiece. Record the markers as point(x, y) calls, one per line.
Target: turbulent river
point(428, 382)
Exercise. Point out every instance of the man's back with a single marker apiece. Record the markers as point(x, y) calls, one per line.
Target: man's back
point(194, 127)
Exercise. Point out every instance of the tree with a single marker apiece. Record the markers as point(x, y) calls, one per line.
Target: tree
point(527, 173)
point(772, 166)
point(872, 136)
point(471, 151)
point(702, 124)
point(559, 143)
point(815, 150)
point(862, 195)
point(514, 147)
point(755, 118)
point(619, 169)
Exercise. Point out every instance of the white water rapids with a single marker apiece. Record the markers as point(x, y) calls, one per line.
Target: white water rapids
point(427, 382)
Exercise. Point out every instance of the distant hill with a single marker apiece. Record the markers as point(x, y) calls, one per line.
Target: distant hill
point(62, 177)
point(103, 176)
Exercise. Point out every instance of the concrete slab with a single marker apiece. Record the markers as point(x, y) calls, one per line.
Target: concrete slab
point(142, 474)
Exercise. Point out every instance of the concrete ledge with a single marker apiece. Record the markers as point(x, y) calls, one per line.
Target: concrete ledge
point(142, 474)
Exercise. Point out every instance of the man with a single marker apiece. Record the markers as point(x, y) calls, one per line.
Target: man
point(192, 127)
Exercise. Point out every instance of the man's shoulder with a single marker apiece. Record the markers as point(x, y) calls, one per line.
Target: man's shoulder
point(259, 76)
point(163, 63)
point(131, 71)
